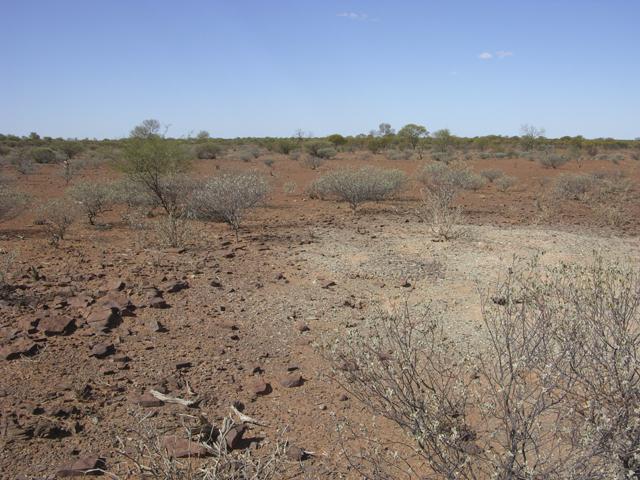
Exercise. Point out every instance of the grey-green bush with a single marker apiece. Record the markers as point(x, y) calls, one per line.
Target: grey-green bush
point(93, 198)
point(367, 184)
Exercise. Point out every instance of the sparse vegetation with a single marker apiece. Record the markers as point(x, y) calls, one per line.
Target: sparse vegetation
point(505, 182)
point(56, 216)
point(367, 184)
point(492, 174)
point(228, 197)
point(553, 394)
point(93, 198)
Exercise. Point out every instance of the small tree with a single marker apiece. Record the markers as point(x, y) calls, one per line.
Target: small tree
point(443, 139)
point(228, 197)
point(12, 202)
point(92, 198)
point(147, 129)
point(56, 216)
point(412, 133)
point(157, 165)
point(71, 148)
point(530, 136)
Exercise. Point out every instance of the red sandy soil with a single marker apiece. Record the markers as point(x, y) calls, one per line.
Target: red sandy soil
point(239, 320)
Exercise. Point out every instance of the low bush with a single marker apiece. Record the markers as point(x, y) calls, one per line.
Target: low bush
point(573, 186)
point(505, 182)
point(208, 151)
point(456, 176)
point(93, 198)
point(398, 155)
point(44, 155)
point(313, 162)
point(491, 175)
point(228, 197)
point(552, 160)
point(56, 216)
point(12, 202)
point(367, 184)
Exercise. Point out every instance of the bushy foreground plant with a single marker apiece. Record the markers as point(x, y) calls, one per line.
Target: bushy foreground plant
point(56, 216)
point(93, 198)
point(552, 392)
point(367, 184)
point(228, 197)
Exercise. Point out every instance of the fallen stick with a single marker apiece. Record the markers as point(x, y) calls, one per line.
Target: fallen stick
point(245, 418)
point(168, 399)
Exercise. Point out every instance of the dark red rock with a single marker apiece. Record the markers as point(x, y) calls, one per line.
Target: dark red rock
point(82, 467)
point(103, 318)
point(302, 326)
point(183, 448)
point(259, 387)
point(102, 350)
point(57, 325)
point(296, 454)
point(19, 348)
point(234, 437)
point(175, 286)
point(158, 302)
point(292, 380)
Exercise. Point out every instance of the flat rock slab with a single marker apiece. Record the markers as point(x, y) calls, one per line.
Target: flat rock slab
point(183, 447)
point(82, 467)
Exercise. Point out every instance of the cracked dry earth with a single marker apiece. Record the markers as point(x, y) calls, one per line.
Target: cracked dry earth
point(107, 320)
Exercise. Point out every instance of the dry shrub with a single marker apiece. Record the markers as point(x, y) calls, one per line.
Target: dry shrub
point(56, 216)
point(7, 260)
point(313, 162)
point(443, 218)
point(228, 197)
point(573, 186)
point(12, 202)
point(366, 184)
point(456, 176)
point(492, 174)
point(146, 457)
point(505, 182)
point(93, 198)
point(552, 160)
point(552, 392)
point(289, 187)
point(173, 230)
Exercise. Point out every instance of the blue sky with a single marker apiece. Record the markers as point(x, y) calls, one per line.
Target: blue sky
point(95, 68)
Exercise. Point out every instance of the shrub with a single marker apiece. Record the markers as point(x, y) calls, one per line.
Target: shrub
point(269, 162)
point(12, 202)
point(398, 154)
point(573, 186)
point(327, 152)
point(43, 155)
point(93, 198)
point(295, 155)
point(505, 182)
point(71, 148)
point(69, 169)
point(552, 393)
point(157, 166)
point(289, 188)
point(491, 175)
point(358, 186)
point(552, 160)
point(314, 146)
point(313, 162)
point(456, 177)
point(208, 151)
point(23, 163)
point(228, 197)
point(444, 157)
point(56, 216)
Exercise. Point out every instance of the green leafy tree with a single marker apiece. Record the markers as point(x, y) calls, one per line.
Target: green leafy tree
point(412, 133)
point(147, 129)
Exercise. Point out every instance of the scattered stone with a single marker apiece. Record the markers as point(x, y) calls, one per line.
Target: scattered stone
point(102, 350)
point(301, 326)
point(292, 380)
point(216, 284)
point(296, 454)
point(183, 364)
point(183, 448)
point(18, 348)
point(155, 326)
point(80, 301)
point(147, 400)
point(329, 284)
point(158, 302)
point(260, 387)
point(57, 325)
point(115, 285)
point(343, 397)
point(103, 318)
point(82, 466)
point(234, 437)
point(176, 286)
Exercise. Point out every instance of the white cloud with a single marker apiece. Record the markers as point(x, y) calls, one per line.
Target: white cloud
point(485, 56)
point(356, 16)
point(504, 54)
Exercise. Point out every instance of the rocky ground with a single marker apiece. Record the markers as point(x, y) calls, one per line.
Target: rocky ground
point(90, 329)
